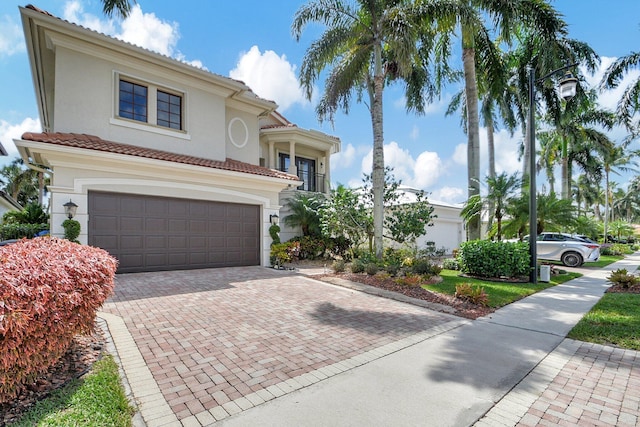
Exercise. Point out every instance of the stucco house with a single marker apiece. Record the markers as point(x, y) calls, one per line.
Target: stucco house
point(7, 203)
point(171, 166)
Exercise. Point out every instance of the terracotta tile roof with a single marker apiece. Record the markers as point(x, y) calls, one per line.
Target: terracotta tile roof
point(91, 142)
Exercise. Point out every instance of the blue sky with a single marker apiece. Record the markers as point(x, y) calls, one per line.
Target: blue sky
point(251, 41)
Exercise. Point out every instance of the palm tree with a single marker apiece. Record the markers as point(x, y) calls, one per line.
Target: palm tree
point(366, 44)
point(304, 208)
point(628, 104)
point(574, 135)
point(553, 214)
point(23, 184)
point(467, 19)
point(544, 53)
point(615, 158)
point(121, 8)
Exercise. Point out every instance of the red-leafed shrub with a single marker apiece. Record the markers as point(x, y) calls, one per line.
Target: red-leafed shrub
point(50, 290)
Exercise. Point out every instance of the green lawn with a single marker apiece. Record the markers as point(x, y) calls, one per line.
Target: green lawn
point(96, 400)
point(499, 293)
point(615, 319)
point(602, 262)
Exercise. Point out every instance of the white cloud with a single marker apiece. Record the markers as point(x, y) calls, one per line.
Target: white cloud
point(344, 158)
point(460, 154)
point(11, 131)
point(449, 195)
point(146, 30)
point(141, 29)
point(421, 173)
point(74, 12)
point(506, 152)
point(270, 76)
point(11, 38)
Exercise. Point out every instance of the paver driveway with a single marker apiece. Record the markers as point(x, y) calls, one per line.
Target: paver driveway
point(211, 338)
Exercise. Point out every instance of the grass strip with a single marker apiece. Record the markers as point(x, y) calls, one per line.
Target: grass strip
point(614, 320)
point(98, 399)
point(499, 293)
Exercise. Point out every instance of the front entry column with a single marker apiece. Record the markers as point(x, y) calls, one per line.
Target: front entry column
point(293, 169)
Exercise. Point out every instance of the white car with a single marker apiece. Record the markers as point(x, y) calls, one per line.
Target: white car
point(572, 251)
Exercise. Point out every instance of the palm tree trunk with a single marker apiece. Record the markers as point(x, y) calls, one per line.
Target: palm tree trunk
point(40, 188)
point(377, 173)
point(473, 132)
point(606, 202)
point(492, 169)
point(566, 181)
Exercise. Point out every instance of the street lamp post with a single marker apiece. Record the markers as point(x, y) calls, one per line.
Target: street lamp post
point(567, 91)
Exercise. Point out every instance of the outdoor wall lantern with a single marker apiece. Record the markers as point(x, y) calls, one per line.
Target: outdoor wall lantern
point(70, 209)
point(568, 87)
point(273, 219)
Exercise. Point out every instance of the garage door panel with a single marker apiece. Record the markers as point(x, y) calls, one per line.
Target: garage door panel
point(128, 243)
point(128, 223)
point(150, 233)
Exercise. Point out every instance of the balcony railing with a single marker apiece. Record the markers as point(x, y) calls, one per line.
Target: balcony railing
point(311, 182)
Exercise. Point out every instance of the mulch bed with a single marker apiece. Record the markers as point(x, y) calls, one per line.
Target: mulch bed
point(84, 351)
point(618, 289)
point(463, 308)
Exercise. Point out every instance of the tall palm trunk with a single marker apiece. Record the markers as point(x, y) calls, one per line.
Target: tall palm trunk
point(606, 202)
point(492, 170)
point(566, 181)
point(377, 173)
point(473, 123)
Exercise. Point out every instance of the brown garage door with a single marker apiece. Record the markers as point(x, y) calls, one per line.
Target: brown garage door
point(148, 233)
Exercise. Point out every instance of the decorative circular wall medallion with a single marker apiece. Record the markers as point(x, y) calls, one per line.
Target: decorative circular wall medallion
point(238, 132)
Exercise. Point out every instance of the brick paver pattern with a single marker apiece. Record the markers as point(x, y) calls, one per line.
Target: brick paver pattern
point(212, 336)
point(599, 386)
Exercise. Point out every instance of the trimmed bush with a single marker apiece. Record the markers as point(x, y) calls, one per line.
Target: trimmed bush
point(18, 231)
point(424, 266)
point(623, 278)
point(450, 264)
point(338, 266)
point(50, 290)
point(371, 268)
point(484, 258)
point(357, 266)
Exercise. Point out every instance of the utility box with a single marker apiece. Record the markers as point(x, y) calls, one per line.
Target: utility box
point(545, 273)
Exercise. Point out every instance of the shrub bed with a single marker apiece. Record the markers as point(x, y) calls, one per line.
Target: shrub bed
point(484, 258)
point(50, 290)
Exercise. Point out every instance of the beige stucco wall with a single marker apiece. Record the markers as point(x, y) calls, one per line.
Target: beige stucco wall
point(86, 93)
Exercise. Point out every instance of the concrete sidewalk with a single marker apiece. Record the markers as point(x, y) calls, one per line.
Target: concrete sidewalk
point(514, 367)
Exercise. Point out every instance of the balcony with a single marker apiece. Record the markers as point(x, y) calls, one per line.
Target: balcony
point(311, 182)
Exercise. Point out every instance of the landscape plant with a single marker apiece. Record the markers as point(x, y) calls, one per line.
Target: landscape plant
point(50, 290)
point(483, 258)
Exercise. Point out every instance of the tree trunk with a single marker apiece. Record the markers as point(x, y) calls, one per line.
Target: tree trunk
point(606, 202)
point(566, 181)
point(492, 169)
point(473, 129)
point(377, 173)
point(40, 188)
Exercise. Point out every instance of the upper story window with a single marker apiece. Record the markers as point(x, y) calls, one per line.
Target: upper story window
point(150, 104)
point(311, 181)
point(169, 110)
point(133, 101)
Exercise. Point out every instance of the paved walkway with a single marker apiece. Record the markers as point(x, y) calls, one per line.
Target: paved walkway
point(239, 347)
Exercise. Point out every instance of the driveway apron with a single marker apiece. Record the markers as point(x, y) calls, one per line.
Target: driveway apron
point(206, 344)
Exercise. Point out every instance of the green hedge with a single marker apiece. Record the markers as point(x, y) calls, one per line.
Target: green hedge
point(485, 258)
point(18, 231)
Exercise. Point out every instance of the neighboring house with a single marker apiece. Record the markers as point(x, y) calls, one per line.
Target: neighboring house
point(171, 166)
point(447, 230)
point(7, 203)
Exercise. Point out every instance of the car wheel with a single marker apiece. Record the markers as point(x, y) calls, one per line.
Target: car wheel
point(572, 259)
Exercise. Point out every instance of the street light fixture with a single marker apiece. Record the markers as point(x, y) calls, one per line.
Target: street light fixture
point(568, 86)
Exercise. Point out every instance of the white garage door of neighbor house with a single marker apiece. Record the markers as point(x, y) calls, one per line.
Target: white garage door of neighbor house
point(149, 233)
